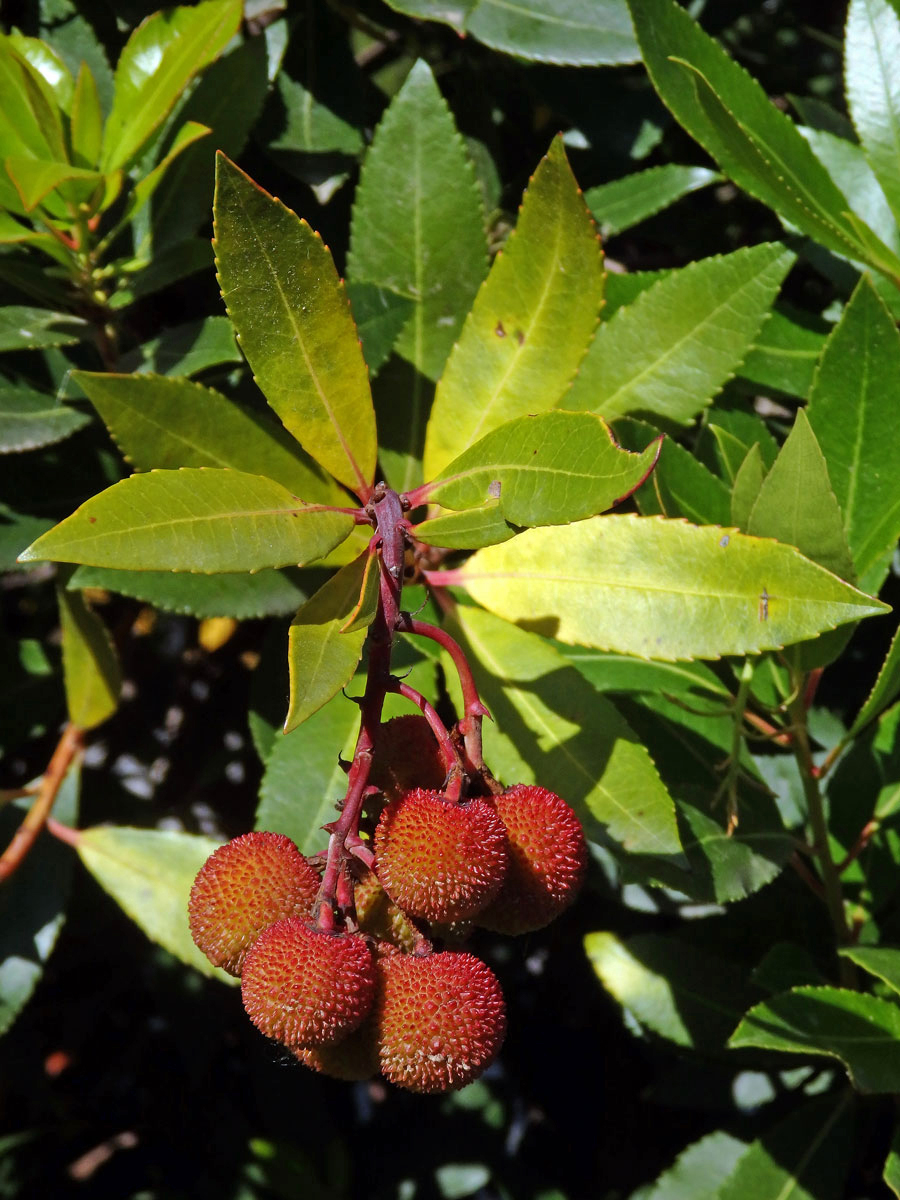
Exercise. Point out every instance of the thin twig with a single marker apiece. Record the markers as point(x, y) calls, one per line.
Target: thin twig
point(26, 835)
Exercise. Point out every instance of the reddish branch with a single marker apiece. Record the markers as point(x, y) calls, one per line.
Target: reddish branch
point(26, 835)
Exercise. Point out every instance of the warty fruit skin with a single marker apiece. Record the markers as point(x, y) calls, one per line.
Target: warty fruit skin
point(305, 987)
point(547, 860)
point(440, 1019)
point(242, 888)
point(406, 757)
point(437, 860)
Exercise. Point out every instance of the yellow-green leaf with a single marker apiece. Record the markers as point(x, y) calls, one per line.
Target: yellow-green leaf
point(93, 677)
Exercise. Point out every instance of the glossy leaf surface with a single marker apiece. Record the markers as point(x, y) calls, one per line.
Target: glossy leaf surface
point(730, 115)
point(626, 202)
point(29, 419)
point(202, 520)
point(671, 351)
point(418, 226)
point(699, 1170)
point(160, 58)
point(854, 414)
point(577, 32)
point(545, 470)
point(531, 321)
point(162, 422)
point(862, 1031)
point(325, 641)
point(784, 355)
point(23, 328)
point(550, 726)
point(660, 589)
point(872, 70)
point(881, 961)
point(149, 873)
point(468, 530)
point(294, 325)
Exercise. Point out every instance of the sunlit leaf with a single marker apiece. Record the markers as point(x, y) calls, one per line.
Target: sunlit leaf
point(91, 671)
point(626, 202)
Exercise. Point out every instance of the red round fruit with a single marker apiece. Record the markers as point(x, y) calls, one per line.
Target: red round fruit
point(440, 1020)
point(437, 860)
point(547, 860)
point(304, 987)
point(242, 888)
point(406, 756)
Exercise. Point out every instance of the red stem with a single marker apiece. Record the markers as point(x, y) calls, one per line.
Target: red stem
point(26, 835)
point(387, 514)
point(439, 729)
point(472, 704)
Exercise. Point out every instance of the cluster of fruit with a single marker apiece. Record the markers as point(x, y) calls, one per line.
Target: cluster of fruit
point(377, 995)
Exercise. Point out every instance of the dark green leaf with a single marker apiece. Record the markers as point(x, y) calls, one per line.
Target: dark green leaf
point(161, 422)
point(29, 419)
point(380, 314)
point(294, 325)
point(672, 988)
point(418, 227)
point(578, 32)
point(796, 504)
point(32, 903)
point(402, 397)
point(784, 355)
point(862, 1031)
point(201, 520)
point(17, 530)
point(680, 486)
point(852, 416)
point(886, 689)
point(160, 58)
point(619, 205)
point(699, 1171)
point(186, 349)
point(881, 961)
point(267, 593)
point(671, 351)
point(24, 328)
point(304, 779)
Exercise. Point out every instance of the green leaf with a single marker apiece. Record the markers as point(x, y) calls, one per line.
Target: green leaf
point(551, 727)
point(531, 322)
point(159, 60)
point(862, 1031)
point(294, 325)
point(626, 202)
point(622, 673)
point(23, 328)
point(380, 314)
point(672, 350)
point(698, 1171)
point(872, 68)
point(672, 988)
point(402, 397)
point(804, 1157)
point(853, 419)
point(550, 469)
point(30, 419)
point(93, 677)
point(48, 65)
point(187, 135)
point(304, 780)
point(185, 350)
point(33, 902)
point(469, 530)
point(326, 637)
point(87, 119)
point(881, 961)
point(202, 520)
point(885, 690)
point(785, 354)
point(660, 589)
point(29, 122)
point(149, 873)
point(754, 143)
point(578, 32)
point(268, 593)
point(680, 486)
point(34, 180)
point(308, 125)
point(418, 226)
point(746, 488)
point(17, 530)
point(161, 422)
point(796, 504)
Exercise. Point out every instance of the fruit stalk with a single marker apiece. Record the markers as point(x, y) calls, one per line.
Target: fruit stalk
point(388, 517)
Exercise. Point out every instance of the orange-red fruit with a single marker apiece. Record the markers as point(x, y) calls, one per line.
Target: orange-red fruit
point(353, 1059)
point(406, 757)
point(440, 1020)
point(307, 988)
point(437, 860)
point(242, 888)
point(547, 860)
